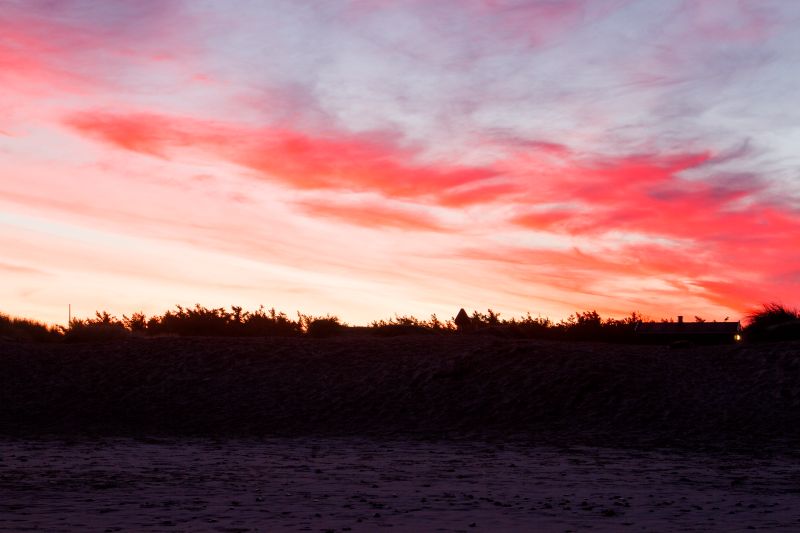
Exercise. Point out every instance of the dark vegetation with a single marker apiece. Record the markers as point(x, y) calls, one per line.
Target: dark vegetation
point(194, 371)
point(773, 322)
point(220, 322)
point(23, 329)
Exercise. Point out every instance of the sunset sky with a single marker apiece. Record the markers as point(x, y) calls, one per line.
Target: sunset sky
point(371, 157)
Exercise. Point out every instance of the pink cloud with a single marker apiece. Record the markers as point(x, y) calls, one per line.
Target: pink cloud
point(19, 269)
point(25, 59)
point(534, 22)
point(732, 22)
point(372, 215)
point(82, 47)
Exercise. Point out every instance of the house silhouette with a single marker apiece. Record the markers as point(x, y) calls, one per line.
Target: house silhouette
point(464, 322)
point(694, 332)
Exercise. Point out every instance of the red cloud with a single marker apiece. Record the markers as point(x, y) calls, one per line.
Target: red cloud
point(146, 134)
point(688, 275)
point(720, 238)
point(723, 228)
point(341, 162)
point(647, 195)
point(696, 230)
point(351, 162)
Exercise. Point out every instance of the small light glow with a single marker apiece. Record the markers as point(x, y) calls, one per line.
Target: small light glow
point(737, 337)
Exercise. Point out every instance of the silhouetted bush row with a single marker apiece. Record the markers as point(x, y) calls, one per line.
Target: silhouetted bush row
point(197, 321)
point(219, 322)
point(773, 322)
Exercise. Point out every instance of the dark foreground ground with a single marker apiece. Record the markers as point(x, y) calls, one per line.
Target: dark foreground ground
point(412, 434)
point(725, 397)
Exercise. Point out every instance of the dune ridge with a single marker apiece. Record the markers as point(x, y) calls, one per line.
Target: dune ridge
point(743, 395)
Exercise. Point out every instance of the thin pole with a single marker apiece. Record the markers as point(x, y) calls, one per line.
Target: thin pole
point(69, 319)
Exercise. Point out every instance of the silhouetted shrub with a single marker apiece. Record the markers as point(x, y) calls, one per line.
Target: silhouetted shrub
point(22, 329)
point(323, 326)
point(396, 330)
point(539, 327)
point(774, 322)
point(622, 330)
point(103, 327)
point(197, 322)
point(583, 326)
point(410, 325)
point(201, 321)
point(489, 319)
point(269, 324)
point(137, 323)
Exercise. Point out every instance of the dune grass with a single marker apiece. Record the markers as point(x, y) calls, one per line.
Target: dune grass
point(773, 322)
point(27, 330)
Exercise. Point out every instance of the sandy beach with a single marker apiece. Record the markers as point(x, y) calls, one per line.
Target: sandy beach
point(354, 484)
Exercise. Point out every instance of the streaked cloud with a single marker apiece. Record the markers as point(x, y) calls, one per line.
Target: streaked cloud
point(524, 155)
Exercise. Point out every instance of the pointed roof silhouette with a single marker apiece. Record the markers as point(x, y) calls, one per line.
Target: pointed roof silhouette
point(463, 320)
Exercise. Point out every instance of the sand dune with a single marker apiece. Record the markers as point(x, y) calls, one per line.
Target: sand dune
point(427, 386)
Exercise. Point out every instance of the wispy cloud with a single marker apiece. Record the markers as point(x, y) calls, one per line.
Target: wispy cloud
point(372, 214)
point(614, 154)
point(20, 269)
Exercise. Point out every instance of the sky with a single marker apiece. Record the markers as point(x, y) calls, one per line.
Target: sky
point(371, 157)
